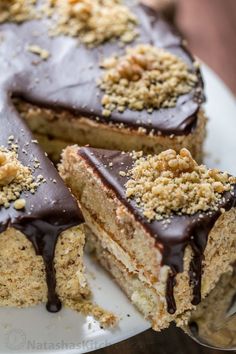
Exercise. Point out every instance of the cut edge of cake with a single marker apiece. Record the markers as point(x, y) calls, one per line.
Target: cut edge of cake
point(125, 248)
point(57, 129)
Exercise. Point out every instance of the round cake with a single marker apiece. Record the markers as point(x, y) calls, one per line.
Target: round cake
point(113, 75)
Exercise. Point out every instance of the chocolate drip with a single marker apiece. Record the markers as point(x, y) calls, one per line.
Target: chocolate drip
point(195, 275)
point(171, 239)
point(50, 210)
point(44, 239)
point(170, 285)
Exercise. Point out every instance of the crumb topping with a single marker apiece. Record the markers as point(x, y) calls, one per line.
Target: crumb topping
point(95, 21)
point(146, 77)
point(16, 10)
point(14, 179)
point(174, 183)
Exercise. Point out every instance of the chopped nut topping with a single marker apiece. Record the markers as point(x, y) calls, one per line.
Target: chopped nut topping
point(19, 204)
point(145, 78)
point(14, 179)
point(35, 49)
point(174, 183)
point(94, 21)
point(16, 10)
point(8, 169)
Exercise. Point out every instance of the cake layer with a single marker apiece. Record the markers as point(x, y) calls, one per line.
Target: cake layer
point(142, 295)
point(23, 278)
point(57, 129)
point(181, 260)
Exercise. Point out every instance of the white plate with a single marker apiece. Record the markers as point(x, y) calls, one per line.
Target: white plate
point(34, 330)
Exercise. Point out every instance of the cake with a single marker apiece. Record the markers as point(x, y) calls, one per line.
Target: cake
point(65, 64)
point(107, 73)
point(162, 225)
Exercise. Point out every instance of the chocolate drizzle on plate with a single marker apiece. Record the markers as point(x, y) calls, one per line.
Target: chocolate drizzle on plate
point(172, 238)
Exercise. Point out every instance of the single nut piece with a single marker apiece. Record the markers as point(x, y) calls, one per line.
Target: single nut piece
point(2, 158)
point(82, 10)
point(20, 204)
point(8, 169)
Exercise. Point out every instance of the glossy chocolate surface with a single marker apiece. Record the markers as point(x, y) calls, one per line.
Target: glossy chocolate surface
point(68, 78)
point(172, 238)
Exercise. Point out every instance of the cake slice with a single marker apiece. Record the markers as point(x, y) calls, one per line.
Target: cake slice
point(162, 225)
point(41, 227)
point(40, 235)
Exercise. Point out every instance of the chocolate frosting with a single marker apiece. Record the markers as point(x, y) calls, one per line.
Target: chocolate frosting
point(171, 239)
point(68, 78)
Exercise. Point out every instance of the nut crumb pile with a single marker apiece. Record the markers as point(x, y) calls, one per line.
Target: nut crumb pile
point(146, 77)
point(14, 179)
point(174, 183)
point(94, 21)
point(16, 10)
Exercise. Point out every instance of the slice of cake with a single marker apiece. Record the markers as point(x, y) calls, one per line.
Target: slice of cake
point(163, 225)
point(39, 232)
point(41, 243)
point(41, 236)
point(111, 74)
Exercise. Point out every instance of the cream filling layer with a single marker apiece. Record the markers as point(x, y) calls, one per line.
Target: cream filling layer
point(129, 262)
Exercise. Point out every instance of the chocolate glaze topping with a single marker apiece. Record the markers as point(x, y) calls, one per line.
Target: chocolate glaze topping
point(171, 239)
point(50, 210)
point(68, 78)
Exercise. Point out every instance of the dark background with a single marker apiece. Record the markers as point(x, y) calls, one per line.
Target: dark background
point(210, 29)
